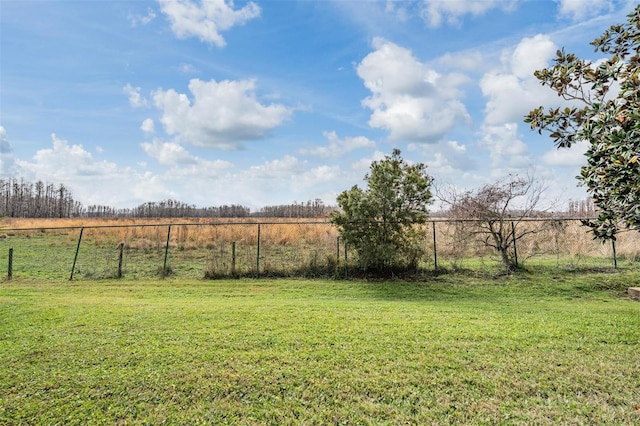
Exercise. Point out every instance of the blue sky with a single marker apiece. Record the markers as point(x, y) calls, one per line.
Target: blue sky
point(269, 102)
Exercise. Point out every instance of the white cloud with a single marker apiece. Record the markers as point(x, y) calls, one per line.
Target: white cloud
point(188, 69)
point(436, 11)
point(464, 60)
point(512, 91)
point(148, 126)
point(207, 19)
point(446, 159)
point(135, 98)
point(91, 181)
point(168, 153)
point(338, 147)
point(507, 151)
point(182, 162)
point(65, 162)
point(563, 157)
point(7, 162)
point(578, 10)
point(136, 20)
point(532, 54)
point(397, 8)
point(5, 146)
point(220, 115)
point(285, 168)
point(410, 100)
point(283, 180)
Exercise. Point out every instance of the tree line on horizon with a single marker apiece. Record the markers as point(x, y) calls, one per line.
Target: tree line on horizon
point(22, 199)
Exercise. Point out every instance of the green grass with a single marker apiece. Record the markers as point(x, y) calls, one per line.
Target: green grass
point(456, 349)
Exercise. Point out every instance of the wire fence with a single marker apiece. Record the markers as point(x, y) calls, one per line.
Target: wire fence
point(280, 248)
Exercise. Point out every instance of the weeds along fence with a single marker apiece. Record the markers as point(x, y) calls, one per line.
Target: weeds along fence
point(197, 249)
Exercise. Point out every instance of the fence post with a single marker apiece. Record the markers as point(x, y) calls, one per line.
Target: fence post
point(75, 258)
point(233, 258)
point(435, 250)
point(10, 268)
point(258, 254)
point(513, 235)
point(120, 258)
point(166, 253)
point(615, 258)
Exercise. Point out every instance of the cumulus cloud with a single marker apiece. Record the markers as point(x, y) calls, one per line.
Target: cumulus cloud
point(434, 12)
point(464, 60)
point(64, 162)
point(205, 182)
point(219, 115)
point(136, 20)
point(148, 126)
point(447, 158)
point(398, 9)
point(513, 90)
point(574, 157)
point(578, 10)
point(91, 181)
point(168, 153)
point(135, 98)
point(188, 69)
point(7, 165)
point(507, 151)
point(282, 180)
point(408, 99)
point(338, 147)
point(5, 146)
point(206, 19)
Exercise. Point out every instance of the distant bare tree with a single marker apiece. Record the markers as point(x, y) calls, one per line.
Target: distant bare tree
point(495, 210)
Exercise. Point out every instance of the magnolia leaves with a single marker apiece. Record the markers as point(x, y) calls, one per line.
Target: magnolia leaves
point(609, 122)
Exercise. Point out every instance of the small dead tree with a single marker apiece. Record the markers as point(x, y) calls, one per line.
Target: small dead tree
point(495, 210)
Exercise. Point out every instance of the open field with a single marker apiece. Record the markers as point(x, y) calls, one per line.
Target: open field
point(561, 348)
point(195, 248)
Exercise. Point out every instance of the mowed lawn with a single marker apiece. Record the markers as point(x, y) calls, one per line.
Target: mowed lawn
point(453, 349)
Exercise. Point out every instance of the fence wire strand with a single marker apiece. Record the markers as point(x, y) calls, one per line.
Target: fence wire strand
point(251, 249)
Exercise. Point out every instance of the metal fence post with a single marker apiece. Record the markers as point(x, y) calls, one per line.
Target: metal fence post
point(435, 250)
point(166, 253)
point(233, 258)
point(515, 250)
point(120, 258)
point(10, 268)
point(75, 258)
point(258, 254)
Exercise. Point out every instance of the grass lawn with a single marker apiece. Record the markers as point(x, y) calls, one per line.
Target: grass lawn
point(455, 349)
